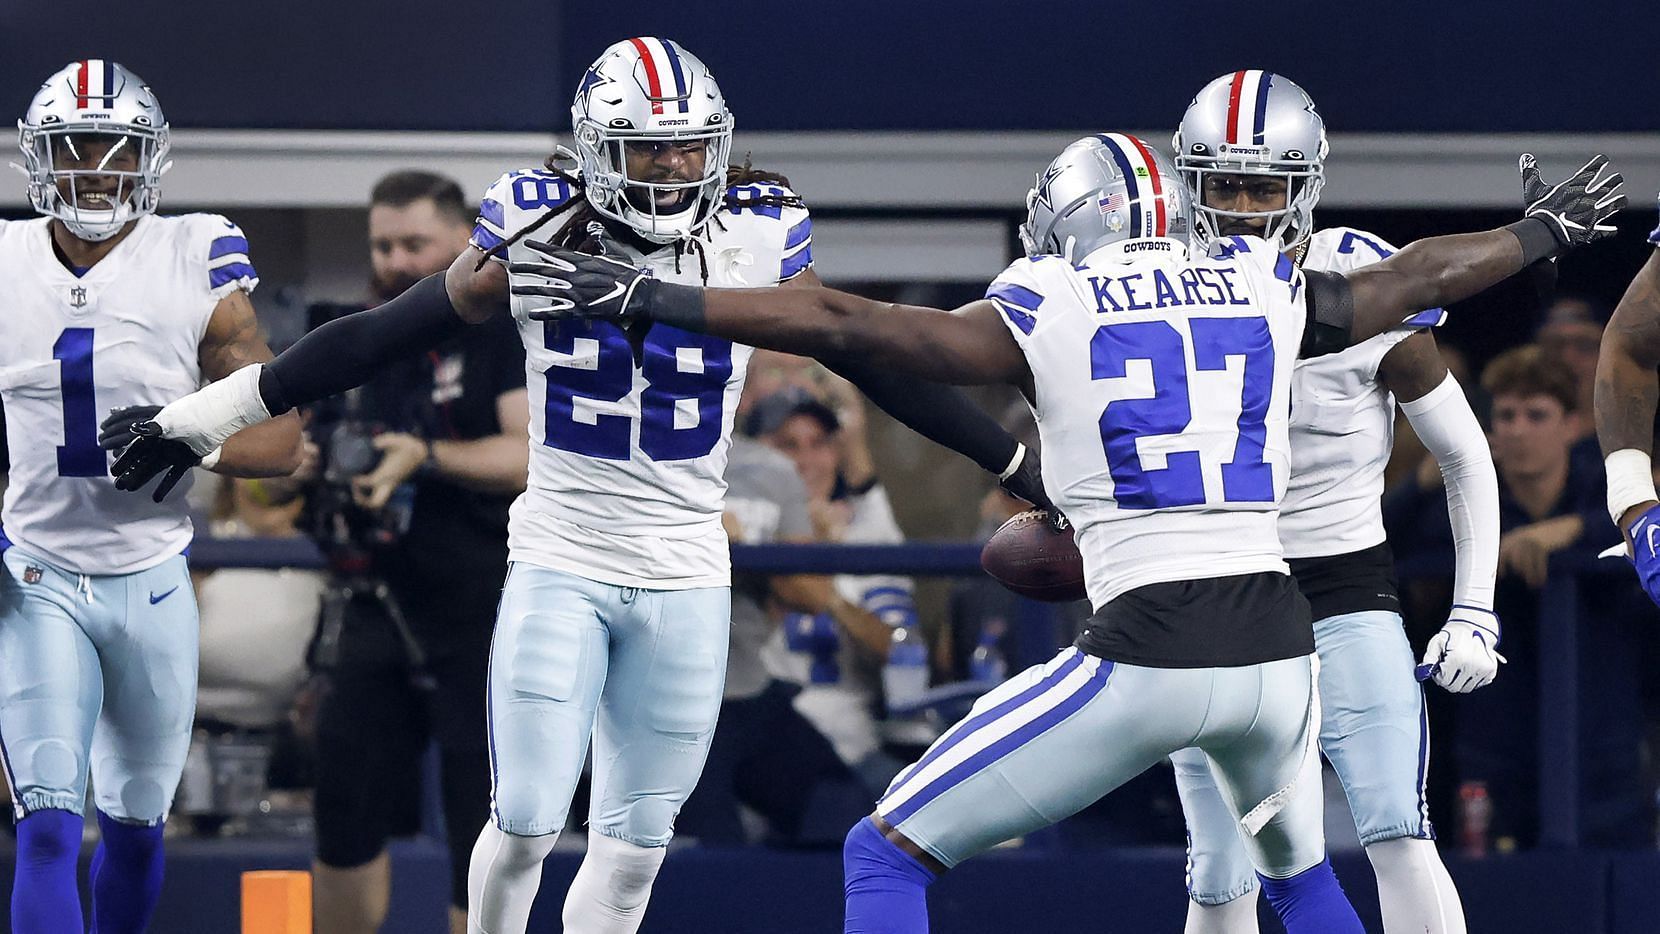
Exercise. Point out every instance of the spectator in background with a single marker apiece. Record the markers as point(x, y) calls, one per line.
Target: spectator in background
point(1571, 334)
point(1551, 507)
point(409, 636)
point(838, 661)
point(766, 756)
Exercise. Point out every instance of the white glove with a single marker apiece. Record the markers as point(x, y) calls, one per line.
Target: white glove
point(206, 417)
point(1462, 656)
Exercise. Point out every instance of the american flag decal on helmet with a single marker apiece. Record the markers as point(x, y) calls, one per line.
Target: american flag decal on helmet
point(1141, 183)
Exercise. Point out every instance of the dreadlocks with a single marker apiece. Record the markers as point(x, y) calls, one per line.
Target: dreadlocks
point(573, 234)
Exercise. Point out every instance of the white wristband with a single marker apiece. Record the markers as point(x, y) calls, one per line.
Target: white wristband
point(211, 458)
point(1014, 462)
point(1630, 481)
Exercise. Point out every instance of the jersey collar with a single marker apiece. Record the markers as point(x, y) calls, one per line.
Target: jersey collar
point(1124, 251)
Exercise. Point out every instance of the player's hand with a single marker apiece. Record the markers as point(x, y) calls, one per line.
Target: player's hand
point(1577, 210)
point(202, 421)
point(575, 285)
point(116, 431)
point(1027, 483)
point(146, 457)
point(1644, 535)
point(1464, 655)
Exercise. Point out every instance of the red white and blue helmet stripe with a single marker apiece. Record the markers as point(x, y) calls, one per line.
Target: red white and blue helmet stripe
point(94, 84)
point(1248, 106)
point(1148, 212)
point(662, 72)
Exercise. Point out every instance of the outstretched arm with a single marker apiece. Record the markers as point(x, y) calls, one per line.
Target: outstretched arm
point(1441, 270)
point(943, 415)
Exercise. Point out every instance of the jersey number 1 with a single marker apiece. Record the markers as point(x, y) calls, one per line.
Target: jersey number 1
point(1180, 482)
point(79, 455)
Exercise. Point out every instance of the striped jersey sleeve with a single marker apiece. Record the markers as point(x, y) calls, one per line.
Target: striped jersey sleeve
point(229, 265)
point(1018, 295)
point(515, 201)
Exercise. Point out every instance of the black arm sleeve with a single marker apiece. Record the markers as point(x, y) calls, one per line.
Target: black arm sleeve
point(1331, 314)
point(348, 351)
point(941, 414)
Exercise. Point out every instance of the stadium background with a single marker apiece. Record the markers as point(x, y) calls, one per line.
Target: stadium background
point(913, 130)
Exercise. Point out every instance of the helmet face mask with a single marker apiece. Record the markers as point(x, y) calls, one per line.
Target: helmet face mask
point(1253, 123)
point(94, 148)
point(653, 139)
point(1100, 190)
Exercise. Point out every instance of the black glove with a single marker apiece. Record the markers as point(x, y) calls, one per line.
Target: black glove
point(1027, 482)
point(578, 285)
point(117, 429)
point(1576, 210)
point(145, 456)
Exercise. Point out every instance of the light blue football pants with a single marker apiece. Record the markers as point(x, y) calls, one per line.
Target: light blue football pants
point(101, 670)
point(639, 671)
point(1374, 732)
point(1059, 736)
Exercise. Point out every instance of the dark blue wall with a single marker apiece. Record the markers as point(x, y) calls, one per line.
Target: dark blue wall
point(1428, 65)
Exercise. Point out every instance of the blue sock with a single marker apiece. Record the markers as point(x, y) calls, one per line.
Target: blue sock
point(126, 876)
point(1311, 902)
point(44, 899)
point(886, 888)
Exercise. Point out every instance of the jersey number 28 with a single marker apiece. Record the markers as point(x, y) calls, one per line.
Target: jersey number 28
point(683, 372)
point(1245, 478)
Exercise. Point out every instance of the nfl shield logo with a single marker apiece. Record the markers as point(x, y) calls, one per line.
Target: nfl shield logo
point(31, 575)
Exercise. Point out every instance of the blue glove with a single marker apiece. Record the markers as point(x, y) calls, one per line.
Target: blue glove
point(1645, 551)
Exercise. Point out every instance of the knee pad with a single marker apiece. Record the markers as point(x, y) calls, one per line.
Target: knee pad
point(628, 870)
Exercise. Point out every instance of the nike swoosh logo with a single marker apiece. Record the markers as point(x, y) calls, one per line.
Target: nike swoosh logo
point(617, 288)
point(156, 598)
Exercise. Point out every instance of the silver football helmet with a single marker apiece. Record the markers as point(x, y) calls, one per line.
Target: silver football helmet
point(94, 147)
point(1255, 123)
point(649, 92)
point(1102, 189)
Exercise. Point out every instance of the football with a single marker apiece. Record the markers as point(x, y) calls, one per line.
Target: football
point(1034, 560)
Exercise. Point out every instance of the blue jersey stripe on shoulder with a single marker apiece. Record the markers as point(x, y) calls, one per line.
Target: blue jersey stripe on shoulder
point(224, 246)
point(484, 238)
point(794, 264)
point(1016, 295)
point(230, 272)
point(798, 234)
point(491, 210)
point(1240, 245)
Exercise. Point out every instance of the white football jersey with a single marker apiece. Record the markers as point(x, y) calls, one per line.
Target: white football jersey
point(1342, 423)
point(127, 332)
point(1163, 386)
point(628, 456)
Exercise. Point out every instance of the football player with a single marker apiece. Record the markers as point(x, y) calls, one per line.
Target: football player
point(1626, 394)
point(614, 622)
point(1161, 382)
point(110, 304)
point(1252, 148)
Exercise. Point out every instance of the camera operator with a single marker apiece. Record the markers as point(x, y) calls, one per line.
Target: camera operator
point(421, 466)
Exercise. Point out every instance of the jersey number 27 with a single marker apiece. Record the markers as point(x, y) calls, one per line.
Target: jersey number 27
point(1245, 478)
